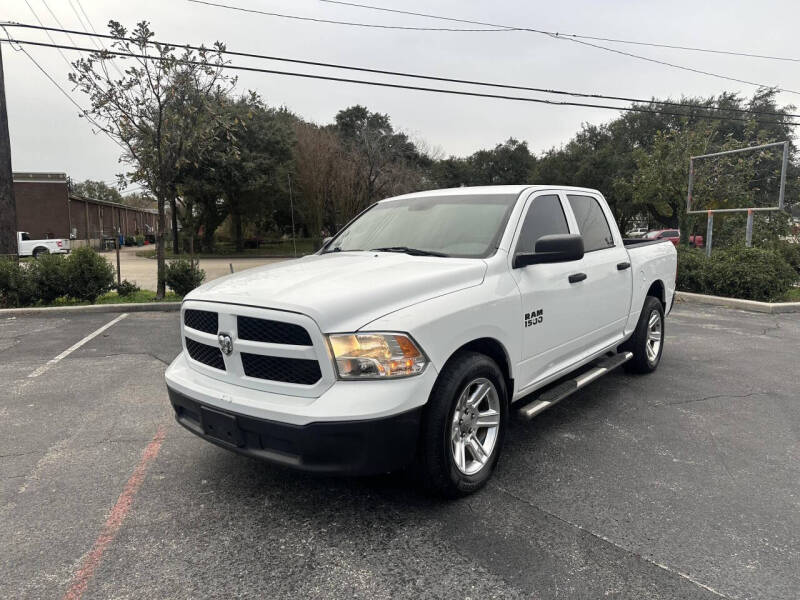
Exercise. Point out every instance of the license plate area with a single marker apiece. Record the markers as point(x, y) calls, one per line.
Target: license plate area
point(221, 426)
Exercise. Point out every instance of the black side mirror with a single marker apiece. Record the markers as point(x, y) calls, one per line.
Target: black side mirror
point(551, 249)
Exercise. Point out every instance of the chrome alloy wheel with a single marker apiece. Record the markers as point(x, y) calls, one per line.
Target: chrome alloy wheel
point(654, 331)
point(475, 426)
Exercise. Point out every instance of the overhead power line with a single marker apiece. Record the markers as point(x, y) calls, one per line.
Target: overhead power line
point(334, 22)
point(66, 94)
point(400, 86)
point(556, 35)
point(437, 78)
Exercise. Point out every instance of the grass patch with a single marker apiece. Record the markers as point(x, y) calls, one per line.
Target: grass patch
point(793, 295)
point(114, 298)
point(270, 248)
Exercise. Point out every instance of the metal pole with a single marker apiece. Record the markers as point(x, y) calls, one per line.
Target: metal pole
point(291, 207)
point(116, 244)
point(748, 240)
point(784, 165)
point(691, 185)
point(709, 232)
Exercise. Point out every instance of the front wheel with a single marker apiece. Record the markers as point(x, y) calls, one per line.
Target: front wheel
point(647, 341)
point(463, 426)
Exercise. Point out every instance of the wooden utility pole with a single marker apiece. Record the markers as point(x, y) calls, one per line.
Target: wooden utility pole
point(8, 207)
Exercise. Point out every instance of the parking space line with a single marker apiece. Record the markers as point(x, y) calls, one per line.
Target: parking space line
point(83, 575)
point(75, 346)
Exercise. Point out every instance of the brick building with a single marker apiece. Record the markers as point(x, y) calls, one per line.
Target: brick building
point(47, 209)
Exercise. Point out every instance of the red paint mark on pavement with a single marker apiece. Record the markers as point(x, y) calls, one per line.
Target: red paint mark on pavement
point(92, 560)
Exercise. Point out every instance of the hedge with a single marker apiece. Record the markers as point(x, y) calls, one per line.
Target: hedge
point(83, 275)
point(739, 272)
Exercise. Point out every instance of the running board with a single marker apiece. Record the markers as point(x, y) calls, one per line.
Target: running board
point(557, 393)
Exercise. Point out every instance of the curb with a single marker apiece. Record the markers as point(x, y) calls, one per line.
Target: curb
point(64, 311)
point(749, 305)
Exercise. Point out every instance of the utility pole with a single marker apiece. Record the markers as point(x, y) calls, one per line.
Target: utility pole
point(8, 207)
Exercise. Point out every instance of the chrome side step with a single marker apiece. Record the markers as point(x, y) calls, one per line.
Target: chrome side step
point(550, 396)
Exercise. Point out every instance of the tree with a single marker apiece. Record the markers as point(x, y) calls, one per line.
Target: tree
point(146, 111)
point(97, 190)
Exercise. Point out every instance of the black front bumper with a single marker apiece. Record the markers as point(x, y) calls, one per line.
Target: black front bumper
point(335, 447)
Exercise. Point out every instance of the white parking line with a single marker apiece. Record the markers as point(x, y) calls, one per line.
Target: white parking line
point(75, 346)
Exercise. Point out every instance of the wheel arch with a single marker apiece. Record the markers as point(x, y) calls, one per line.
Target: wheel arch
point(41, 250)
point(657, 290)
point(495, 350)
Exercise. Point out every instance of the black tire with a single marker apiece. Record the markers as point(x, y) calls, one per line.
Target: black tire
point(436, 465)
point(638, 342)
point(37, 252)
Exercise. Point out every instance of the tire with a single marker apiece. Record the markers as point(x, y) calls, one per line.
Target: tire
point(37, 252)
point(646, 348)
point(447, 427)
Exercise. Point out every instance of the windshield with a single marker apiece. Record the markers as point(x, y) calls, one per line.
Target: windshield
point(459, 226)
point(653, 235)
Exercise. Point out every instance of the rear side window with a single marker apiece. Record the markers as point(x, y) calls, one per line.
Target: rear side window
point(545, 217)
point(26, 237)
point(670, 234)
point(592, 223)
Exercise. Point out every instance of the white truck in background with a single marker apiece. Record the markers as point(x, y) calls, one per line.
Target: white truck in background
point(35, 248)
point(411, 336)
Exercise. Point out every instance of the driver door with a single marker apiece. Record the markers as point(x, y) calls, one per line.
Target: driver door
point(551, 305)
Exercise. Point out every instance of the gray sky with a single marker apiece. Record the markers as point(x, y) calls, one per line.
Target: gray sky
point(47, 134)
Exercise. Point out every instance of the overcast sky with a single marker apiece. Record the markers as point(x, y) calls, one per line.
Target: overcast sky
point(47, 134)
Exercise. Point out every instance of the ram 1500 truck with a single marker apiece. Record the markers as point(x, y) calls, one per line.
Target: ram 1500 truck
point(28, 247)
point(412, 335)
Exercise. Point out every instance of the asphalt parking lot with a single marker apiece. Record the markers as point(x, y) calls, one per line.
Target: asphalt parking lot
point(681, 484)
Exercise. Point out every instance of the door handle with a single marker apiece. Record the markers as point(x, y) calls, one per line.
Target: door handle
point(623, 265)
point(576, 277)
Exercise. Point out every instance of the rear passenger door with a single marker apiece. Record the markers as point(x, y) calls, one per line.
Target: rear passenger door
point(605, 293)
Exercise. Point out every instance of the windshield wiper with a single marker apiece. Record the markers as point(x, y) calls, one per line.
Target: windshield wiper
point(407, 250)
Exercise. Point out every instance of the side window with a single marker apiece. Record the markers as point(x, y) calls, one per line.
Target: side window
point(545, 217)
point(592, 223)
point(26, 237)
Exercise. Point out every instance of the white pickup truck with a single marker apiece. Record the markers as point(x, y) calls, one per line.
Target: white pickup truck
point(416, 331)
point(28, 247)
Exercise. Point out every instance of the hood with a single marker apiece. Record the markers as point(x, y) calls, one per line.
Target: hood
point(345, 291)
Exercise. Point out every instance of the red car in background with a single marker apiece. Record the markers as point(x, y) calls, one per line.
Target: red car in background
point(674, 236)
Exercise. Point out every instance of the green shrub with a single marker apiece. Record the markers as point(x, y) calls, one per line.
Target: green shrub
point(90, 275)
point(49, 277)
point(692, 270)
point(738, 272)
point(182, 276)
point(127, 288)
point(16, 286)
point(790, 253)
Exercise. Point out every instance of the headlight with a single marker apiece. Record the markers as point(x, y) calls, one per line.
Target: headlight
point(376, 355)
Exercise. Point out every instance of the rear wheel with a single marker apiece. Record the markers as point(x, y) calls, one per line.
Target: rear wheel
point(463, 426)
point(647, 341)
point(37, 252)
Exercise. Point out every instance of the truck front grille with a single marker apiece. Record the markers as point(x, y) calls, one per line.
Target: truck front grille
point(201, 320)
point(279, 368)
point(208, 355)
point(272, 332)
point(264, 349)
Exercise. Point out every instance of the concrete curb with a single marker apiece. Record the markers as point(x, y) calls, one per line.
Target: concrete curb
point(751, 305)
point(65, 311)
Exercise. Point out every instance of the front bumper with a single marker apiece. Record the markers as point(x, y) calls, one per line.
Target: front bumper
point(360, 447)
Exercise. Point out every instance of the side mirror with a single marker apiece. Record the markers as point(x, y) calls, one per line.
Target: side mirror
point(552, 249)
